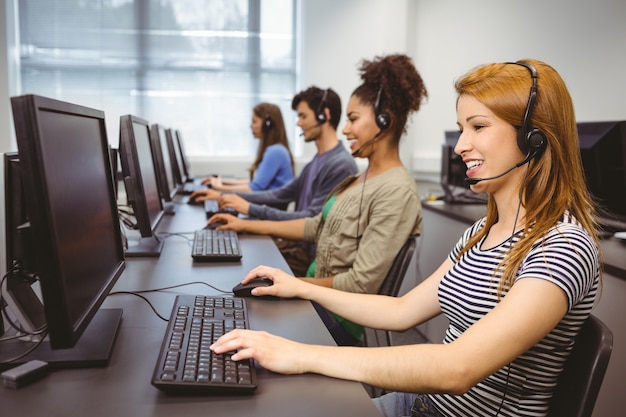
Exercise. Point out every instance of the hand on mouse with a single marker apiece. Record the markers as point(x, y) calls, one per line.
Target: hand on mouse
point(285, 285)
point(227, 222)
point(213, 182)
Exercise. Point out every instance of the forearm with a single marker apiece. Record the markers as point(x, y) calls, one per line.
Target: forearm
point(363, 309)
point(377, 311)
point(420, 368)
point(235, 181)
point(242, 187)
point(287, 229)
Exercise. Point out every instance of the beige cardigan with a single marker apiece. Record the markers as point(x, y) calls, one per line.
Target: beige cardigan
point(379, 216)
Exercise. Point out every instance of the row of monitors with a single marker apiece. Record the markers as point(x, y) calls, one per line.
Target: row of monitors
point(154, 169)
point(603, 152)
point(63, 226)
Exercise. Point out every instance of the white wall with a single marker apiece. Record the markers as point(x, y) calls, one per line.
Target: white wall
point(584, 41)
point(338, 34)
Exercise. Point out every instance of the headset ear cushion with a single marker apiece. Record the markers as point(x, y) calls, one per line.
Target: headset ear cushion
point(536, 139)
point(533, 141)
point(267, 123)
point(383, 121)
point(321, 117)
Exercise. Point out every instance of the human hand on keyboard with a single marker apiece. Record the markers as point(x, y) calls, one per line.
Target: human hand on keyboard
point(271, 352)
point(202, 195)
point(233, 201)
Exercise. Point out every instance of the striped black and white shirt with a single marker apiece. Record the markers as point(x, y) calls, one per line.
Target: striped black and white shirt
point(566, 256)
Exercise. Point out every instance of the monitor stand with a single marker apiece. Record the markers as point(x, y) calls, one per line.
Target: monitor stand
point(169, 208)
point(144, 247)
point(93, 349)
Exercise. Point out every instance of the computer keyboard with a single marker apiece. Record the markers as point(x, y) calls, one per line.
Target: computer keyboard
point(190, 187)
point(215, 245)
point(211, 207)
point(186, 365)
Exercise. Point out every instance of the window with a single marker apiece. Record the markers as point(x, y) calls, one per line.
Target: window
point(195, 65)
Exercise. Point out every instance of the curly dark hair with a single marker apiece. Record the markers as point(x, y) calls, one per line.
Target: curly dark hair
point(400, 85)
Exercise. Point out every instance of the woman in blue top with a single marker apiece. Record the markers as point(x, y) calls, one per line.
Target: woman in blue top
point(516, 288)
point(273, 166)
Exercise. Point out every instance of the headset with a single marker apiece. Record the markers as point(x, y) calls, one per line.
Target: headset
point(267, 123)
point(530, 140)
point(319, 112)
point(382, 118)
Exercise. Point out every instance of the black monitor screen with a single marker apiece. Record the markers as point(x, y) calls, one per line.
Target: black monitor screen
point(603, 152)
point(452, 166)
point(178, 164)
point(65, 167)
point(140, 174)
point(183, 155)
point(163, 162)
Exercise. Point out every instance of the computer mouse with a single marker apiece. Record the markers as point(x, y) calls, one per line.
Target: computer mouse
point(244, 290)
point(195, 201)
point(214, 225)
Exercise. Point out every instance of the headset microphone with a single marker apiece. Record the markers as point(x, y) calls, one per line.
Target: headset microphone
point(474, 181)
point(306, 129)
point(358, 150)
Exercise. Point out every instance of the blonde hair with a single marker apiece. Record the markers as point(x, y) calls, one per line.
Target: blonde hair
point(555, 181)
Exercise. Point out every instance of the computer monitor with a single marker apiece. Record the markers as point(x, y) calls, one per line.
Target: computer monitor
point(140, 183)
point(452, 180)
point(178, 164)
point(603, 152)
point(186, 166)
point(74, 248)
point(115, 169)
point(163, 165)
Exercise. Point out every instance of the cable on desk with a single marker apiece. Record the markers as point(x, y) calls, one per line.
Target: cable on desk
point(27, 351)
point(139, 292)
point(23, 332)
point(143, 298)
point(165, 235)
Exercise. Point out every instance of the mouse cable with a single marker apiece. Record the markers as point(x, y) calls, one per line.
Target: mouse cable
point(143, 298)
point(184, 284)
point(183, 235)
point(139, 292)
point(15, 324)
point(26, 352)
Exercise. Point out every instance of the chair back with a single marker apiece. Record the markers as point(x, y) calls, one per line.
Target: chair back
point(580, 382)
point(393, 281)
point(390, 286)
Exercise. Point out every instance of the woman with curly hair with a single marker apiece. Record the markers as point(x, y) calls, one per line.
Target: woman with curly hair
point(367, 218)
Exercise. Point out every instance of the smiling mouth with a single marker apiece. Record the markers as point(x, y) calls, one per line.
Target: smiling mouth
point(473, 164)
